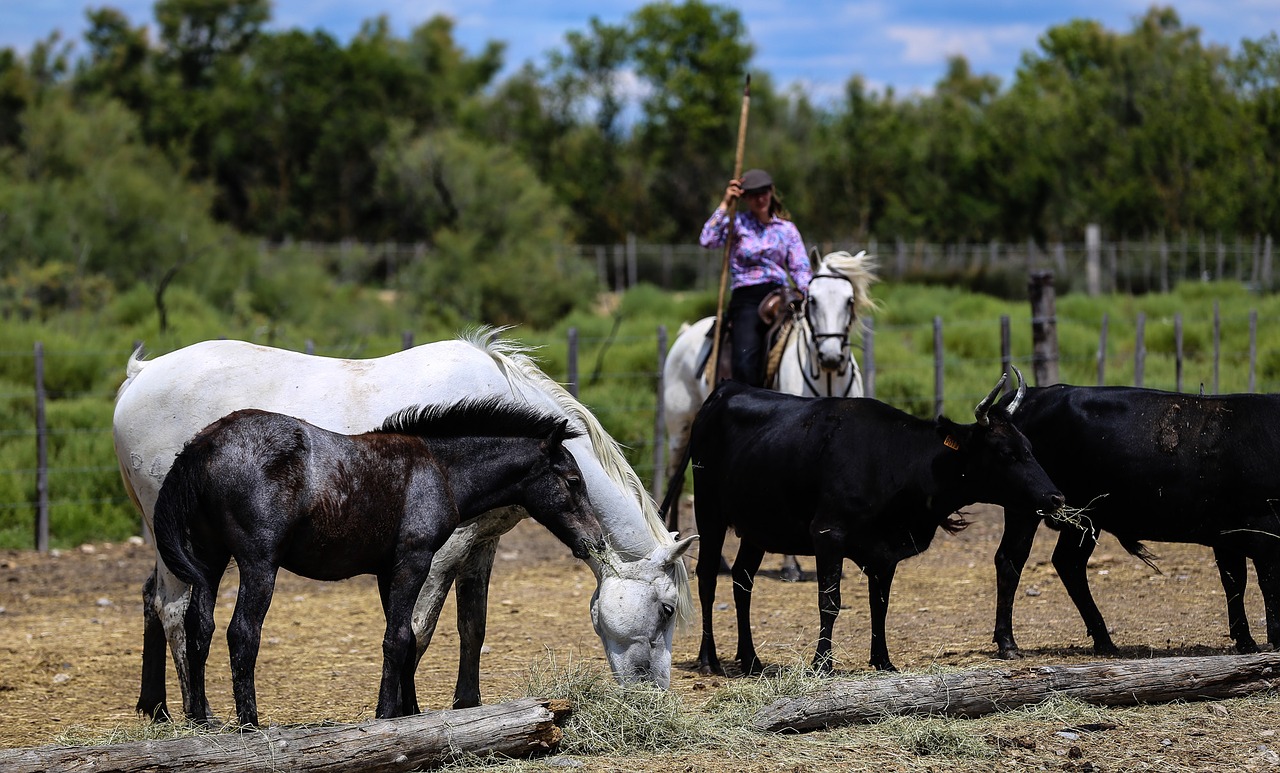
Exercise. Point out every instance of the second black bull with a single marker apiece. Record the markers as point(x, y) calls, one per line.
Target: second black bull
point(1151, 465)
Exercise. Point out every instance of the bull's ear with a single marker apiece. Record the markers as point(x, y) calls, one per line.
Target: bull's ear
point(954, 436)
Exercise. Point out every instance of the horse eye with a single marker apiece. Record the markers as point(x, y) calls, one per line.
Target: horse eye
point(668, 610)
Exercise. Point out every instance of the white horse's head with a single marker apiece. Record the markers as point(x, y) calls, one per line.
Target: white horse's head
point(634, 610)
point(838, 292)
point(643, 584)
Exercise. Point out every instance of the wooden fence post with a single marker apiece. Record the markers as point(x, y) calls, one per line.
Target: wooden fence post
point(1217, 344)
point(660, 420)
point(1102, 350)
point(572, 358)
point(1044, 329)
point(1177, 351)
point(1093, 259)
point(406, 340)
point(1140, 349)
point(1006, 352)
point(868, 357)
point(1164, 265)
point(937, 366)
point(42, 457)
point(619, 267)
point(1266, 266)
point(1253, 349)
point(633, 265)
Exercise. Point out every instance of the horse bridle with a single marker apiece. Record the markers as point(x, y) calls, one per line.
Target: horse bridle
point(815, 338)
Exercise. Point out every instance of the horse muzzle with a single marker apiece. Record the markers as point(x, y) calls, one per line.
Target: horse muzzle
point(642, 663)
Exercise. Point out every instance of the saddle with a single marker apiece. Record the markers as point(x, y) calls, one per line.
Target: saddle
point(778, 311)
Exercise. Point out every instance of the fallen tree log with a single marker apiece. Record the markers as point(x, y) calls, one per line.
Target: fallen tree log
point(979, 692)
point(522, 728)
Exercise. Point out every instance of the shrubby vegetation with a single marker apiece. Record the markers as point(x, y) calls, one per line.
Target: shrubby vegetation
point(85, 352)
point(166, 185)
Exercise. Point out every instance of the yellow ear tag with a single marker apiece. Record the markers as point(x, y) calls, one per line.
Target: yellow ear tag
point(951, 443)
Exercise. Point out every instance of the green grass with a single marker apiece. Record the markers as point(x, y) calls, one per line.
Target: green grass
point(85, 353)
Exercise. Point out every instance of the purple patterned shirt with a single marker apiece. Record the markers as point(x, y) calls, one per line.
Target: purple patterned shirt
point(762, 253)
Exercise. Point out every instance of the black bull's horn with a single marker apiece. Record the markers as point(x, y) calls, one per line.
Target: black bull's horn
point(980, 412)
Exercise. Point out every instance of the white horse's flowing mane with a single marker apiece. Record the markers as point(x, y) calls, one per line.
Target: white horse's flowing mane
point(860, 270)
point(516, 364)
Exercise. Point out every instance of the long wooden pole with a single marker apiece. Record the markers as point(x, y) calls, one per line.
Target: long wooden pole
point(728, 241)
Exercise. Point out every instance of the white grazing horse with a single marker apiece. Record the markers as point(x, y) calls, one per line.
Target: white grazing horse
point(642, 589)
point(816, 360)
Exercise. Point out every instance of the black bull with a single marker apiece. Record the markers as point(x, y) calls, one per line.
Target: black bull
point(836, 478)
point(1152, 465)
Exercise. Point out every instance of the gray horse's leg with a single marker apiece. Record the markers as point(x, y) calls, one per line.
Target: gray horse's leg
point(426, 611)
point(473, 604)
point(152, 697)
point(457, 553)
point(170, 602)
point(449, 560)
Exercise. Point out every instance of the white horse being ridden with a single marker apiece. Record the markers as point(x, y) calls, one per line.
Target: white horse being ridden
point(816, 359)
point(163, 403)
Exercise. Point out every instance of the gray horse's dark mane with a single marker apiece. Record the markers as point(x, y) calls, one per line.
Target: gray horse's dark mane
point(493, 416)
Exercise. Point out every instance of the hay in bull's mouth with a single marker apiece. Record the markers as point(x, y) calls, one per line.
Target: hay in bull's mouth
point(1074, 517)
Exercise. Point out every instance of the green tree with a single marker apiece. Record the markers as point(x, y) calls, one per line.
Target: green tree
point(692, 59)
point(87, 193)
point(1256, 79)
point(493, 229)
point(199, 35)
point(16, 92)
point(119, 62)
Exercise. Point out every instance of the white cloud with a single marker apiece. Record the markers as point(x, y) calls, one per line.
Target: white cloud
point(979, 45)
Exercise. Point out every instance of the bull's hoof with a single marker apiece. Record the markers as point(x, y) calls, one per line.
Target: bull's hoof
point(752, 666)
point(157, 712)
point(709, 669)
point(1106, 650)
point(885, 666)
point(1012, 653)
point(1247, 647)
point(790, 571)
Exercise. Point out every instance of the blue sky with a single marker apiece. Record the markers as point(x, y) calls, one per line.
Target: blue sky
point(817, 44)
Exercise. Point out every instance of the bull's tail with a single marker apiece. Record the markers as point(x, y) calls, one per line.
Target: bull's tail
point(1138, 549)
point(955, 523)
point(180, 498)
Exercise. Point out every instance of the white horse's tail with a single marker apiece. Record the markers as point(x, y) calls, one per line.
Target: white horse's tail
point(518, 367)
point(131, 370)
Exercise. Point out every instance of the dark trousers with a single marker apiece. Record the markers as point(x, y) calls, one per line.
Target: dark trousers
point(747, 333)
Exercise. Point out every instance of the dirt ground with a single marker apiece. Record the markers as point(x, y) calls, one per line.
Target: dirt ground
point(70, 645)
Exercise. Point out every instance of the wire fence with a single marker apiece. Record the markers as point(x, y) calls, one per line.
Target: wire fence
point(1155, 264)
point(60, 465)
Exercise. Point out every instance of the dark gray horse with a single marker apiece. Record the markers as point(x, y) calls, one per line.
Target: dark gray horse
point(273, 491)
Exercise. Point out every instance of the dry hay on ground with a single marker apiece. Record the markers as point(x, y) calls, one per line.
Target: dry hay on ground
point(70, 646)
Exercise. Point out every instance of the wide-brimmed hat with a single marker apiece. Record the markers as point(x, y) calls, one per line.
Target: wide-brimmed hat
point(755, 180)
